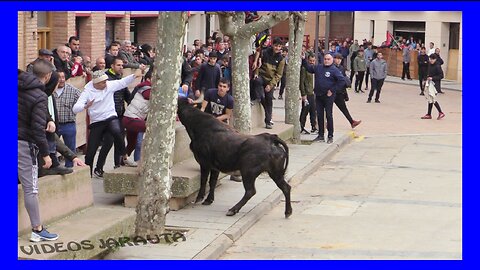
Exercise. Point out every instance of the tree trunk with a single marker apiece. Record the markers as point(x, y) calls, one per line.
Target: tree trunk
point(156, 176)
point(233, 25)
point(241, 87)
point(295, 42)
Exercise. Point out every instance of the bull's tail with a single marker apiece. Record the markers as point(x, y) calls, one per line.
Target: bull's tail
point(279, 141)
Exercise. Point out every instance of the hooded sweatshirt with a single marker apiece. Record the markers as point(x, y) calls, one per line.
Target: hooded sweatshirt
point(32, 111)
point(103, 107)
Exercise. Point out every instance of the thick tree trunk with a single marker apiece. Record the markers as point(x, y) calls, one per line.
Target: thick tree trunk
point(156, 177)
point(295, 42)
point(241, 87)
point(233, 25)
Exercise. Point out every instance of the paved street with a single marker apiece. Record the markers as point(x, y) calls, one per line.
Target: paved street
point(394, 192)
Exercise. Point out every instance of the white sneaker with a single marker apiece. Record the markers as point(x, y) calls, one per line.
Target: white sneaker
point(129, 162)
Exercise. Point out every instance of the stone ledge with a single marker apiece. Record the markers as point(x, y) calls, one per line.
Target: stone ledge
point(59, 196)
point(91, 226)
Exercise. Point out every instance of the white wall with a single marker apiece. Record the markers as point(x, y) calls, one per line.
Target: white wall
point(437, 28)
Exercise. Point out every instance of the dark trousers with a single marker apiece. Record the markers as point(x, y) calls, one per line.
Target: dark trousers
point(359, 80)
point(422, 76)
point(266, 98)
point(107, 144)
point(340, 102)
point(308, 109)
point(366, 77)
point(406, 70)
point(98, 131)
point(325, 107)
point(351, 68)
point(283, 81)
point(376, 85)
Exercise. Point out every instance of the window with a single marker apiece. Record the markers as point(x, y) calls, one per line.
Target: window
point(44, 29)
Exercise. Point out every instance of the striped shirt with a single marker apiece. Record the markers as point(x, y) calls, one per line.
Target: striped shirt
point(65, 99)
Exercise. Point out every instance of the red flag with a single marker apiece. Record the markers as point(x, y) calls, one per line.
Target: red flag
point(389, 39)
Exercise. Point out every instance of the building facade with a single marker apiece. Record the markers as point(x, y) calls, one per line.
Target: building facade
point(97, 30)
point(443, 28)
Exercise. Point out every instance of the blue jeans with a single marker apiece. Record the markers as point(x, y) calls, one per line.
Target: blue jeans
point(138, 148)
point(69, 133)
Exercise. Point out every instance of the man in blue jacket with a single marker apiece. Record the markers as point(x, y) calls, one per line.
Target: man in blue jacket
point(327, 80)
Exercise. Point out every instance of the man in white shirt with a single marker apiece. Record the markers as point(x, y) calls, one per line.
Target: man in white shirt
point(432, 49)
point(97, 99)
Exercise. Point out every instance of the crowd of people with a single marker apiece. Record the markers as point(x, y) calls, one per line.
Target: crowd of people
point(48, 104)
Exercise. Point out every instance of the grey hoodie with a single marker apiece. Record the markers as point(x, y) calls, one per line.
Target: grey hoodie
point(378, 69)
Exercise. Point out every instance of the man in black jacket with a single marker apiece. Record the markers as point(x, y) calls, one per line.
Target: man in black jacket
point(32, 140)
point(328, 80)
point(435, 75)
point(422, 60)
point(267, 76)
point(342, 95)
point(61, 59)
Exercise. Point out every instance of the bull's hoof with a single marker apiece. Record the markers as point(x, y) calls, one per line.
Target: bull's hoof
point(198, 199)
point(207, 202)
point(231, 212)
point(288, 213)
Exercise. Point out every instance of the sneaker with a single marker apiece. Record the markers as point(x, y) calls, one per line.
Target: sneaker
point(426, 116)
point(377, 101)
point(272, 123)
point(98, 172)
point(268, 126)
point(43, 235)
point(440, 116)
point(129, 162)
point(304, 131)
point(403, 79)
point(441, 92)
point(369, 100)
point(59, 170)
point(422, 94)
point(356, 123)
point(280, 97)
point(362, 90)
point(330, 140)
point(319, 139)
point(409, 79)
point(313, 131)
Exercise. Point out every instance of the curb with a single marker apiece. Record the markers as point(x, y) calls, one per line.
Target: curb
point(218, 247)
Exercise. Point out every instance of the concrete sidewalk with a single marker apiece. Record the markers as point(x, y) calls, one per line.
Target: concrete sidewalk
point(209, 232)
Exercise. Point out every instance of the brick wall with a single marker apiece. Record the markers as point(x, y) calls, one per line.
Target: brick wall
point(63, 27)
point(122, 28)
point(92, 33)
point(147, 31)
point(27, 38)
point(20, 40)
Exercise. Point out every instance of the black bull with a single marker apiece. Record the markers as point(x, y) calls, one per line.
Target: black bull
point(219, 148)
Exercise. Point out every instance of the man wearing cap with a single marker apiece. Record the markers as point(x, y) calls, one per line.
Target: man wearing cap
point(97, 98)
point(42, 54)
